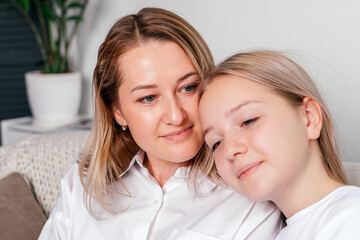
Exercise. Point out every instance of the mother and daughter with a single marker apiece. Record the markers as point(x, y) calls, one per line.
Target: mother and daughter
point(146, 173)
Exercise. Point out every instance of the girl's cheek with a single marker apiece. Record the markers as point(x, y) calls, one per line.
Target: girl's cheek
point(219, 162)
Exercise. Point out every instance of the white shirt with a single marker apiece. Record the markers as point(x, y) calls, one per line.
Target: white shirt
point(336, 216)
point(171, 212)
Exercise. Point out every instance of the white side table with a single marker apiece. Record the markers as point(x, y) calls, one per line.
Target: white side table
point(14, 129)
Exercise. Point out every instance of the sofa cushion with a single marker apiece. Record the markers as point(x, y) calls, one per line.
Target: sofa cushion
point(43, 160)
point(20, 215)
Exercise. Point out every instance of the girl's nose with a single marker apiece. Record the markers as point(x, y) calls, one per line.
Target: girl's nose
point(234, 147)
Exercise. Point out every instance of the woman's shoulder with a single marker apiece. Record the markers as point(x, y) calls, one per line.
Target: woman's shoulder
point(71, 180)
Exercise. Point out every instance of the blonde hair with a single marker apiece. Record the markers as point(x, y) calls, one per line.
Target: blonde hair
point(290, 80)
point(109, 149)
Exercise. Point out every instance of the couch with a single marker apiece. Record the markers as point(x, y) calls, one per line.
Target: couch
point(30, 175)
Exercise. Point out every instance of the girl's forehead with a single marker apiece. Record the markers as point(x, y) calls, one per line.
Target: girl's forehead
point(228, 91)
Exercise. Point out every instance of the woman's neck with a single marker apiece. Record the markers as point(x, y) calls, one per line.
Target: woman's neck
point(310, 186)
point(162, 170)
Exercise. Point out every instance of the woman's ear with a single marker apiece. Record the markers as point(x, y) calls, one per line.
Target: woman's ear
point(314, 118)
point(119, 118)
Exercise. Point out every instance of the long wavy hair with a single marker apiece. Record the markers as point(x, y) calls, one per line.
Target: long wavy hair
point(289, 80)
point(109, 150)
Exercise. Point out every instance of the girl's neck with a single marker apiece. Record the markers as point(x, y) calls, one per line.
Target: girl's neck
point(310, 186)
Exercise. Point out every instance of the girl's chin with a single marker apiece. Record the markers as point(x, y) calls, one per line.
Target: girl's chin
point(256, 192)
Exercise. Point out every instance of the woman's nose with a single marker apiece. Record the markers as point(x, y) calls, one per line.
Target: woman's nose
point(234, 147)
point(174, 114)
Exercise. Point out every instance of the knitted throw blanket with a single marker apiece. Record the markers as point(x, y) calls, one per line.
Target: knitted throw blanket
point(43, 160)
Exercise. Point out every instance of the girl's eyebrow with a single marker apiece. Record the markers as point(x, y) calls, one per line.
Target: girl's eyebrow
point(149, 86)
point(238, 107)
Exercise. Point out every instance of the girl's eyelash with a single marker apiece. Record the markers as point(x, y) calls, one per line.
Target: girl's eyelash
point(249, 122)
point(246, 123)
point(214, 147)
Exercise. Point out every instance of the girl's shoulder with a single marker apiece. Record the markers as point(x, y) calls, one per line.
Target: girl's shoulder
point(345, 196)
point(343, 215)
point(340, 202)
point(336, 216)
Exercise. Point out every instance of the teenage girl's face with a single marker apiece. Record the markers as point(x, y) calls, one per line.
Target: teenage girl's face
point(159, 101)
point(259, 139)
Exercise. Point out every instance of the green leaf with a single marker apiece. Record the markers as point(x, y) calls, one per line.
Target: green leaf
point(59, 2)
point(48, 12)
point(25, 4)
point(75, 5)
point(74, 18)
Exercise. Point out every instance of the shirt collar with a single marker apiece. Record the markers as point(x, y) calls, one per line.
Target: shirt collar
point(182, 172)
point(139, 158)
point(205, 184)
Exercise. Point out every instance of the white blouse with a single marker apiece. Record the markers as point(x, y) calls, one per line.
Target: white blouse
point(151, 212)
point(335, 217)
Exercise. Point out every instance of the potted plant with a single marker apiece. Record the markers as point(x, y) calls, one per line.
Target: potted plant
point(54, 92)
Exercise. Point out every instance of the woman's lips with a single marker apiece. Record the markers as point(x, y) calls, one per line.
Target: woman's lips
point(178, 135)
point(248, 169)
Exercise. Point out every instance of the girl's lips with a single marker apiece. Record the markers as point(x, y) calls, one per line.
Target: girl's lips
point(178, 135)
point(248, 169)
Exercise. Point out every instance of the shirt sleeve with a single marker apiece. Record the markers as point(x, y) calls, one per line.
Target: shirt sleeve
point(344, 225)
point(58, 225)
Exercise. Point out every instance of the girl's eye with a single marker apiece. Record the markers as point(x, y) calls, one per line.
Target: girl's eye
point(189, 88)
point(249, 122)
point(148, 99)
point(214, 147)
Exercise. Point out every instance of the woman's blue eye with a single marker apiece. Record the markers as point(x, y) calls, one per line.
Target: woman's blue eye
point(148, 99)
point(213, 148)
point(190, 88)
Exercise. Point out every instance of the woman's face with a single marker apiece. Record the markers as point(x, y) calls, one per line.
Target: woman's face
point(259, 139)
point(159, 101)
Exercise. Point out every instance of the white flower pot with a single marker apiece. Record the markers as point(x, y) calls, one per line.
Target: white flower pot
point(53, 97)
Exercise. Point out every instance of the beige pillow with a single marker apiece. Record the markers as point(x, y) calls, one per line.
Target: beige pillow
point(20, 215)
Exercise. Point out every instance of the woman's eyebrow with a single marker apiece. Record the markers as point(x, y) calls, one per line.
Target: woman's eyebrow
point(149, 86)
point(139, 87)
point(187, 75)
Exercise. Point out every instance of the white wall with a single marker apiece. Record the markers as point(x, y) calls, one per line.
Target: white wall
point(323, 35)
